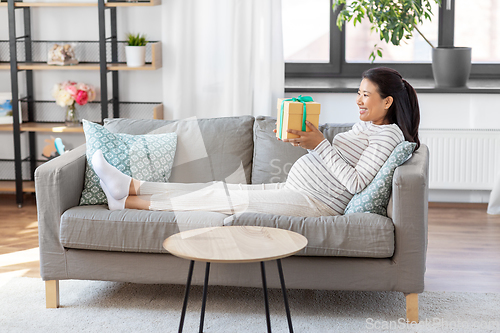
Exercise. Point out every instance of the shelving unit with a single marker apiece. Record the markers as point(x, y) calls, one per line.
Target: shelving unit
point(103, 65)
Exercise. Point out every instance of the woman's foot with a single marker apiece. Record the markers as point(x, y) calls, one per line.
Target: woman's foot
point(113, 204)
point(117, 184)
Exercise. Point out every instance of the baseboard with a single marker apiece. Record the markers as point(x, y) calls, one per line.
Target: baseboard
point(460, 205)
point(459, 196)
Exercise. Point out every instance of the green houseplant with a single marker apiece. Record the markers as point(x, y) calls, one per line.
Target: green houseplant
point(135, 50)
point(396, 20)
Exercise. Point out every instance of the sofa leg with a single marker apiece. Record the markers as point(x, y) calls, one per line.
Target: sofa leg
point(52, 294)
point(411, 308)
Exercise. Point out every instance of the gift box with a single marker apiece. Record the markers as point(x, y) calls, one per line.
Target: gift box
point(291, 115)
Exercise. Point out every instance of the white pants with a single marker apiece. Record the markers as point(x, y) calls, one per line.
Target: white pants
point(232, 198)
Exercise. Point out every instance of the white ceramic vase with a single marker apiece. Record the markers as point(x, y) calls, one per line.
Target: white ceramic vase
point(136, 55)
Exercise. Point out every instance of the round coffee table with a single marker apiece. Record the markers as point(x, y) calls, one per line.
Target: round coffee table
point(235, 244)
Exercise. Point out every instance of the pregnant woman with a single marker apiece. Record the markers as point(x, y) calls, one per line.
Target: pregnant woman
point(320, 183)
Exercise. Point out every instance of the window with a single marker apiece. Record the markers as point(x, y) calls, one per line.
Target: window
point(315, 47)
point(359, 42)
point(307, 26)
point(482, 35)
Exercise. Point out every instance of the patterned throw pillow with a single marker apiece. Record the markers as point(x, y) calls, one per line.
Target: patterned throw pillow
point(143, 157)
point(375, 197)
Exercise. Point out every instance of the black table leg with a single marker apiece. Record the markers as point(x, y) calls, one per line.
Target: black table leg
point(266, 300)
point(186, 295)
point(204, 301)
point(285, 297)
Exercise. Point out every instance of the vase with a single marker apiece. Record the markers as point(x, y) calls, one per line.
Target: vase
point(71, 118)
point(451, 66)
point(136, 56)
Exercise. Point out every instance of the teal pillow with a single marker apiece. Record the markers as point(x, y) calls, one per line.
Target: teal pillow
point(143, 157)
point(375, 197)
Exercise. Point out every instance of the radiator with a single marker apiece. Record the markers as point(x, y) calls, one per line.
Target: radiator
point(462, 159)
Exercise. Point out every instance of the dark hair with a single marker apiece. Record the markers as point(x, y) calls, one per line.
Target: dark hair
point(404, 110)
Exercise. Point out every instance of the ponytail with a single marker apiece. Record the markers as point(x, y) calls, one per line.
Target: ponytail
point(414, 115)
point(404, 110)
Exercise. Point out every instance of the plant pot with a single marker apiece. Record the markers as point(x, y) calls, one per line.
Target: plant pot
point(136, 55)
point(451, 66)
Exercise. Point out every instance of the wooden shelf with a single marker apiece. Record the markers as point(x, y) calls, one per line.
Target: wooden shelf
point(133, 4)
point(50, 127)
point(44, 66)
point(6, 128)
point(55, 4)
point(43, 127)
point(156, 63)
point(83, 4)
point(10, 186)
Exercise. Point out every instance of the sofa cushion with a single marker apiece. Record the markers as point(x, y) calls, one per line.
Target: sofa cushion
point(329, 130)
point(272, 159)
point(207, 149)
point(356, 235)
point(128, 230)
point(143, 157)
point(375, 197)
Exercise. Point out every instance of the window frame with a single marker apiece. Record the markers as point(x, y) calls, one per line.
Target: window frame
point(338, 67)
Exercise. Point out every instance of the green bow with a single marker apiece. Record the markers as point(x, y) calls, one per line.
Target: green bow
point(301, 99)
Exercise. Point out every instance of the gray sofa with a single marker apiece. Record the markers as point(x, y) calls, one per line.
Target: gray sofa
point(359, 251)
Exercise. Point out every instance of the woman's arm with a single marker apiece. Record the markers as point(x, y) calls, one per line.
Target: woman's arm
point(356, 178)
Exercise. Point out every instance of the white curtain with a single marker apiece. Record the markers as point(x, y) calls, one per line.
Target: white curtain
point(221, 57)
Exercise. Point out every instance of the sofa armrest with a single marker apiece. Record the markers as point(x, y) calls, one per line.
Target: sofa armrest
point(58, 186)
point(410, 207)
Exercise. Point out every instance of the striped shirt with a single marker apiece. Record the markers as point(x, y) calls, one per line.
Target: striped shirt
point(333, 173)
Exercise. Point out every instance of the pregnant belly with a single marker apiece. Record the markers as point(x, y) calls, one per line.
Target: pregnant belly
point(310, 175)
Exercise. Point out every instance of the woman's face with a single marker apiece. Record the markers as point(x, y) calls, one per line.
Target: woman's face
point(372, 107)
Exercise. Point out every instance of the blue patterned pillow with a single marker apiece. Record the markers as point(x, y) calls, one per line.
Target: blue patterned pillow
point(375, 197)
point(143, 157)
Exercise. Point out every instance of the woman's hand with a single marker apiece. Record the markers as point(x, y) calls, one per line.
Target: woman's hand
point(306, 140)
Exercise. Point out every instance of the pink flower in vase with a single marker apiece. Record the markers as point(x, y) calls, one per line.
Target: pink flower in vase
point(83, 86)
point(72, 90)
point(81, 97)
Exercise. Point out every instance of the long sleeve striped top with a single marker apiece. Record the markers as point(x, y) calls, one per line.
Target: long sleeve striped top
point(333, 173)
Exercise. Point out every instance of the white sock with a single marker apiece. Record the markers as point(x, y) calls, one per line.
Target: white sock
point(117, 183)
point(113, 204)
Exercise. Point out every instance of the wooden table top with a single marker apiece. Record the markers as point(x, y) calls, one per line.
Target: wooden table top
point(235, 244)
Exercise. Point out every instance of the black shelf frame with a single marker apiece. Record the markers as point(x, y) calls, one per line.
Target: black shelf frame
point(29, 98)
point(14, 72)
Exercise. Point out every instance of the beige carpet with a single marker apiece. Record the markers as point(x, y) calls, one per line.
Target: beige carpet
point(94, 306)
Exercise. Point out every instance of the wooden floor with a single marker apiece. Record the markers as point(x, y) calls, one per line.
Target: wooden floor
point(463, 252)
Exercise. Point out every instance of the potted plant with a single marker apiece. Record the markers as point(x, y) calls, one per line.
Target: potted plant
point(135, 51)
point(397, 20)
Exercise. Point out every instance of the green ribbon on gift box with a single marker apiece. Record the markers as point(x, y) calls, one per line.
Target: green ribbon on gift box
point(300, 99)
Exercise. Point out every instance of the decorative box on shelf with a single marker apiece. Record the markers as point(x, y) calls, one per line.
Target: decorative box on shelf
point(62, 55)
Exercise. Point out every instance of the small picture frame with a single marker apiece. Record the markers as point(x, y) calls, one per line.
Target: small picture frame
point(6, 109)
